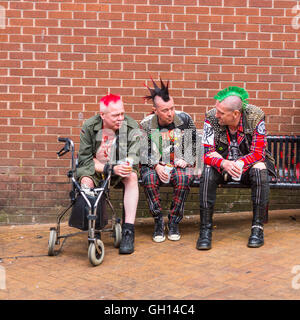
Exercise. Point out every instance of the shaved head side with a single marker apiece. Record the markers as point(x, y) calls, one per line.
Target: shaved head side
point(233, 103)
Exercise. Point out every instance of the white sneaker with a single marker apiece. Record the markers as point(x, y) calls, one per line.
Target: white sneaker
point(174, 237)
point(159, 238)
point(159, 231)
point(174, 234)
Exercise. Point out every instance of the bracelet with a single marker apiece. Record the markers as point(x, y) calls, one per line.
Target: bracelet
point(107, 168)
point(221, 164)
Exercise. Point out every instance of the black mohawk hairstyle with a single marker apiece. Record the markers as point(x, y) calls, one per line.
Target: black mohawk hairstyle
point(162, 92)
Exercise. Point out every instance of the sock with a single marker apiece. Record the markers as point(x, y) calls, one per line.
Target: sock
point(128, 226)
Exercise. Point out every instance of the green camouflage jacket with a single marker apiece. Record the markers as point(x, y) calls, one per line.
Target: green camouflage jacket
point(126, 144)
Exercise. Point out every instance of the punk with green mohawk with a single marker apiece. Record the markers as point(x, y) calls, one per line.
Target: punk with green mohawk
point(235, 149)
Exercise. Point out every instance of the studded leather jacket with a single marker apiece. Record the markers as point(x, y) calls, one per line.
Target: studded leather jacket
point(158, 145)
point(252, 120)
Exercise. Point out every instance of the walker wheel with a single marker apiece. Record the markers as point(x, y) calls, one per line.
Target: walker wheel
point(96, 252)
point(51, 242)
point(117, 235)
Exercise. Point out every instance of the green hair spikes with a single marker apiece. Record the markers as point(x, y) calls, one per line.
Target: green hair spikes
point(233, 91)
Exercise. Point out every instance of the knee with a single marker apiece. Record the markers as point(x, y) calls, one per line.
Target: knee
point(182, 181)
point(133, 176)
point(259, 165)
point(180, 178)
point(150, 180)
point(131, 179)
point(259, 173)
point(207, 174)
point(87, 182)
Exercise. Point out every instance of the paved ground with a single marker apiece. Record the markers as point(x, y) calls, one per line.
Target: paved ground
point(169, 270)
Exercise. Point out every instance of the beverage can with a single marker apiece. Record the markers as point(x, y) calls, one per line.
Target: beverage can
point(129, 161)
point(168, 169)
point(240, 164)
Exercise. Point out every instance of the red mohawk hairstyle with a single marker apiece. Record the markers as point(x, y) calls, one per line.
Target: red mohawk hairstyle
point(110, 98)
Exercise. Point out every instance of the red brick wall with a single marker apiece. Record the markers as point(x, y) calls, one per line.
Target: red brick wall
point(58, 57)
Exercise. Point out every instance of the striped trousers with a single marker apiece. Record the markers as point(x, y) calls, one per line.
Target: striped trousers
point(180, 180)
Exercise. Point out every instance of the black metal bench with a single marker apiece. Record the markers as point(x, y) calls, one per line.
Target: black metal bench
point(286, 152)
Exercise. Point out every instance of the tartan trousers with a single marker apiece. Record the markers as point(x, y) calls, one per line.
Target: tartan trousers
point(180, 180)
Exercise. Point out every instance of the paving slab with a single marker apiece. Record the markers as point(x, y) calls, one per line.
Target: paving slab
point(156, 271)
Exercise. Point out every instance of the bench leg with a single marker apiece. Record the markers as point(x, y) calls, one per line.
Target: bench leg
point(266, 217)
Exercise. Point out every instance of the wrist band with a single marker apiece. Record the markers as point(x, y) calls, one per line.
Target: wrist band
point(106, 168)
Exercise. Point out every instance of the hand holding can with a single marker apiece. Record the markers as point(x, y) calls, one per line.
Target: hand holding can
point(127, 162)
point(168, 169)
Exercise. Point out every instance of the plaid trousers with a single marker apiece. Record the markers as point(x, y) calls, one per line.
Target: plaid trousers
point(180, 180)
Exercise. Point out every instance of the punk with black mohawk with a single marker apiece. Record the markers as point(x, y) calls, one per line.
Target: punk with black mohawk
point(162, 92)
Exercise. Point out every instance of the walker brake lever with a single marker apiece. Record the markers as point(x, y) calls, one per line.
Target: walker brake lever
point(66, 147)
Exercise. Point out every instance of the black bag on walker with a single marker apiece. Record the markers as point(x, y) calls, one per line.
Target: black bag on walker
point(80, 210)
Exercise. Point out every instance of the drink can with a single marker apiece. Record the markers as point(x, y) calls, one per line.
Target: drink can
point(240, 164)
point(168, 169)
point(129, 161)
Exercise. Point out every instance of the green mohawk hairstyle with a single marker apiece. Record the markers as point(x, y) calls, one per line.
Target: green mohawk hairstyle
point(233, 91)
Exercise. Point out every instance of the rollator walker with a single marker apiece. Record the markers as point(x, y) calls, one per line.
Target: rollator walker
point(88, 213)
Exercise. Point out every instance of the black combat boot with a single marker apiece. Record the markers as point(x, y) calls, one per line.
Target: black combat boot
point(256, 238)
point(127, 242)
point(204, 240)
point(260, 197)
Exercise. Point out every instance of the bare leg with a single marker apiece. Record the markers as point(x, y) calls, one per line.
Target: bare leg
point(87, 182)
point(131, 197)
point(260, 165)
